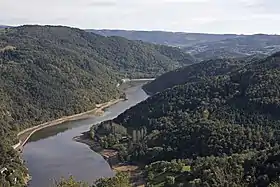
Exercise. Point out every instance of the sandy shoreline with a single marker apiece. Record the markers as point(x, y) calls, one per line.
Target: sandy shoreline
point(27, 133)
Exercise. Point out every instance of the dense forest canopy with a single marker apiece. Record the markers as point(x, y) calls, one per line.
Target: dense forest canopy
point(194, 73)
point(119, 180)
point(198, 72)
point(222, 130)
point(51, 71)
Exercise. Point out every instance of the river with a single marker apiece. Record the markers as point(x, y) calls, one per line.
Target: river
point(52, 153)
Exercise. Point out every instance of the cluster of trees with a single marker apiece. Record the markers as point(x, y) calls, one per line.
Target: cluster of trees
point(225, 126)
point(166, 173)
point(12, 171)
point(48, 72)
point(119, 180)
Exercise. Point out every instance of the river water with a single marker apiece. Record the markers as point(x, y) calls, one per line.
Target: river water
point(52, 153)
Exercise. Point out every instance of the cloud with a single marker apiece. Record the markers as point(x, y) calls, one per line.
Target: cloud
point(219, 16)
point(250, 2)
point(102, 3)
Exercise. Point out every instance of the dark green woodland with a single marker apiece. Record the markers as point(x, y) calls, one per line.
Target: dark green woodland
point(219, 128)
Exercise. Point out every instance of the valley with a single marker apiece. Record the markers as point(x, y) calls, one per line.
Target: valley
point(48, 72)
point(138, 108)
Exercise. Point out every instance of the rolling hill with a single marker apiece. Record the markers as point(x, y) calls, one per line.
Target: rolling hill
point(179, 39)
point(206, 46)
point(241, 46)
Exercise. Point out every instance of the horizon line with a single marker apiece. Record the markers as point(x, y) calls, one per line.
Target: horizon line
point(138, 30)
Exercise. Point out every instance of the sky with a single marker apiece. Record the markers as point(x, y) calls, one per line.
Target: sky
point(204, 16)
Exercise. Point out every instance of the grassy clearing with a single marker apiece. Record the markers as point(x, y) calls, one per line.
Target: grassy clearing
point(186, 168)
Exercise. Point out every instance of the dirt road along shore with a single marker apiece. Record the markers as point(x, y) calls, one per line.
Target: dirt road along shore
point(27, 133)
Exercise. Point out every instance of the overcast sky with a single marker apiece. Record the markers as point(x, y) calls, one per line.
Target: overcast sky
point(211, 16)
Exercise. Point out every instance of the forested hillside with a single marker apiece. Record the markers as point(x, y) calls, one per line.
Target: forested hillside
point(220, 131)
point(198, 72)
point(193, 73)
point(48, 72)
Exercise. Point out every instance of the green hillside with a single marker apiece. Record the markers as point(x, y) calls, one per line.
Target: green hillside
point(198, 72)
point(193, 73)
point(48, 72)
point(221, 131)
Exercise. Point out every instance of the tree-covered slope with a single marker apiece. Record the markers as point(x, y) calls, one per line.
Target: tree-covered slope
point(115, 52)
point(221, 127)
point(45, 75)
point(246, 96)
point(194, 73)
point(199, 72)
point(48, 72)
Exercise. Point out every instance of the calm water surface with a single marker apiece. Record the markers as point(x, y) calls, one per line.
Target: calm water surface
point(51, 153)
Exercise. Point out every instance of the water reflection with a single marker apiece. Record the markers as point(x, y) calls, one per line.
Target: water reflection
point(44, 133)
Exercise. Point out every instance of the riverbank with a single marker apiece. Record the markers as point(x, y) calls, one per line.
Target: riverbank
point(98, 111)
point(135, 172)
point(49, 153)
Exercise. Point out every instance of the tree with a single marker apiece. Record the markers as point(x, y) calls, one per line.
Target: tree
point(170, 180)
point(70, 182)
point(119, 180)
point(151, 175)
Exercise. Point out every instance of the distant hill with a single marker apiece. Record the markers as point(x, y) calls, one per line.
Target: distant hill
point(4, 26)
point(241, 46)
point(51, 71)
point(220, 131)
point(180, 39)
point(206, 46)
